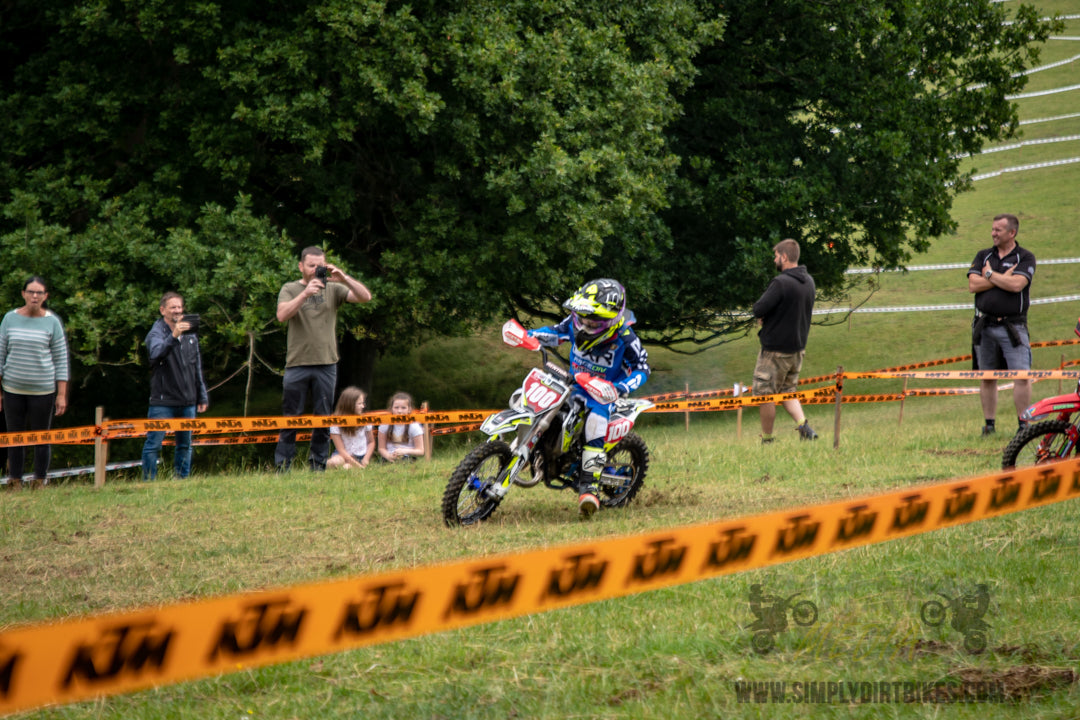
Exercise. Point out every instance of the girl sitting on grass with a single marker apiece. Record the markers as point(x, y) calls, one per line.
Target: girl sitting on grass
point(353, 446)
point(401, 441)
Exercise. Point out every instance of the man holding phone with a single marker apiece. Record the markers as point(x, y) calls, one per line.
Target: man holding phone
point(309, 306)
point(177, 388)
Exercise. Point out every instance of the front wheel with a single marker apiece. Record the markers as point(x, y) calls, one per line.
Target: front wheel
point(624, 472)
point(1039, 443)
point(804, 613)
point(466, 500)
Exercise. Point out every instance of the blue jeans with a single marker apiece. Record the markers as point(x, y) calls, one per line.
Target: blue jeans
point(152, 447)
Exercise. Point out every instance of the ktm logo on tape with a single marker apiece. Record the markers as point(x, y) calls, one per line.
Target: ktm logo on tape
point(382, 606)
point(579, 573)
point(133, 649)
point(263, 625)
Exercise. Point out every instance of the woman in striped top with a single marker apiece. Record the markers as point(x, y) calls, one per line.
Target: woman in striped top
point(33, 375)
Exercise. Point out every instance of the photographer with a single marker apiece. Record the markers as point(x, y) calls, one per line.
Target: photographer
point(310, 306)
point(177, 388)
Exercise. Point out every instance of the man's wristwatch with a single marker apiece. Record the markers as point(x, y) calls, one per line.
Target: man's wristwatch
point(987, 274)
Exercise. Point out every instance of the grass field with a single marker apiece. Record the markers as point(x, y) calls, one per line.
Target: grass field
point(676, 653)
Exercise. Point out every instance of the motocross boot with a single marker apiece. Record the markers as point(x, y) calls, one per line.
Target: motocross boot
point(592, 463)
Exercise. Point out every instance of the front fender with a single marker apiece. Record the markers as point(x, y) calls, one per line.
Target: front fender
point(506, 421)
point(1060, 405)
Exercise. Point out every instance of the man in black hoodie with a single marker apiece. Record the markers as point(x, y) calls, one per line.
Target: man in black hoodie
point(783, 313)
point(177, 388)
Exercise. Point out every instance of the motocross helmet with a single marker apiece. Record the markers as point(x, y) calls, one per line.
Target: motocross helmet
point(597, 310)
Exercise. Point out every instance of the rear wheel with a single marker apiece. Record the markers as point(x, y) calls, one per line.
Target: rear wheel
point(624, 472)
point(932, 613)
point(466, 500)
point(1040, 443)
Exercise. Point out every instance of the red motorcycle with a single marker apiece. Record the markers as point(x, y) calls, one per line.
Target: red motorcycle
point(1052, 432)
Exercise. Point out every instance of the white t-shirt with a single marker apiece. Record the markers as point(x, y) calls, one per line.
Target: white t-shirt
point(355, 443)
point(398, 436)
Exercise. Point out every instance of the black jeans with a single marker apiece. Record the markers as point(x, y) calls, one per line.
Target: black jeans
point(28, 412)
point(320, 382)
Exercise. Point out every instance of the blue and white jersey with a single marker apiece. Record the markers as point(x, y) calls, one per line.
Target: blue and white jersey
point(623, 360)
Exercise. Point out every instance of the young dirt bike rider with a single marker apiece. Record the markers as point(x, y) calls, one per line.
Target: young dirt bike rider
point(604, 345)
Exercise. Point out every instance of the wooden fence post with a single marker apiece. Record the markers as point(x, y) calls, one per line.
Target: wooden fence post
point(839, 401)
point(427, 433)
point(101, 450)
point(738, 413)
point(903, 394)
point(686, 415)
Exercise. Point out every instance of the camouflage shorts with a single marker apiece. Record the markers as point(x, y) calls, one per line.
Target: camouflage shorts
point(777, 372)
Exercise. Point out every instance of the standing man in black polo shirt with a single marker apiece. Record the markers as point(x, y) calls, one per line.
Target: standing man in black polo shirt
point(1001, 277)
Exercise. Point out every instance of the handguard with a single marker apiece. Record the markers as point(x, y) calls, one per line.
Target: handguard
point(516, 336)
point(598, 388)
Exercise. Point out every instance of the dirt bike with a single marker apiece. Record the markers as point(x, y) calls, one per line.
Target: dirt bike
point(539, 438)
point(965, 620)
point(1046, 440)
point(773, 621)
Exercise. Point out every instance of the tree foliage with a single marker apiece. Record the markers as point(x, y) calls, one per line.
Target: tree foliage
point(468, 159)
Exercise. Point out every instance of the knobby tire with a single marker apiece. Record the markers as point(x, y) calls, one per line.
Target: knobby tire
point(629, 461)
point(1037, 444)
point(464, 501)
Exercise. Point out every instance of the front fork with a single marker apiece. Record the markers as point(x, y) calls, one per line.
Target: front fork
point(522, 449)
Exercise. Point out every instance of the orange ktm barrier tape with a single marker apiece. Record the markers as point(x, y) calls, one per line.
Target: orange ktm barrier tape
point(871, 398)
point(211, 425)
point(742, 401)
point(456, 429)
point(87, 657)
point(931, 392)
point(967, 375)
point(74, 435)
point(965, 358)
point(1055, 343)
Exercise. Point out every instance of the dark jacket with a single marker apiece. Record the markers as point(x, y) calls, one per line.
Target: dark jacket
point(785, 311)
point(176, 378)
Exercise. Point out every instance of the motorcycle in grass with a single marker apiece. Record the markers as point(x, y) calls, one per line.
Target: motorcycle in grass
point(539, 438)
point(968, 611)
point(1052, 432)
point(773, 621)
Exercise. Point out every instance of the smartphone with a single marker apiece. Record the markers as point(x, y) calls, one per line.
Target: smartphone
point(193, 321)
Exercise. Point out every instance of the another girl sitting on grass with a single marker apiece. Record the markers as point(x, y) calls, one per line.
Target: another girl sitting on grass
point(353, 446)
point(401, 441)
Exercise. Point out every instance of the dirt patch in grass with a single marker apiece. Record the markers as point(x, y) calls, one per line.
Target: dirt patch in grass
point(677, 496)
point(964, 452)
point(634, 693)
point(1024, 682)
point(931, 647)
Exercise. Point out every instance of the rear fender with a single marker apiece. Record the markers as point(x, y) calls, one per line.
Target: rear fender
point(622, 420)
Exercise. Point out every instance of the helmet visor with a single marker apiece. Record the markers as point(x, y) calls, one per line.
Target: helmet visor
point(593, 325)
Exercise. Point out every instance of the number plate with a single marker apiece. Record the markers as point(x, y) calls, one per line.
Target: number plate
point(541, 391)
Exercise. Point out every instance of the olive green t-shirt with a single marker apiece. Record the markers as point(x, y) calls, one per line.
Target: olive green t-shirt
point(313, 329)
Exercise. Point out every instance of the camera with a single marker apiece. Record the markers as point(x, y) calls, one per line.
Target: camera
point(193, 321)
point(321, 273)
